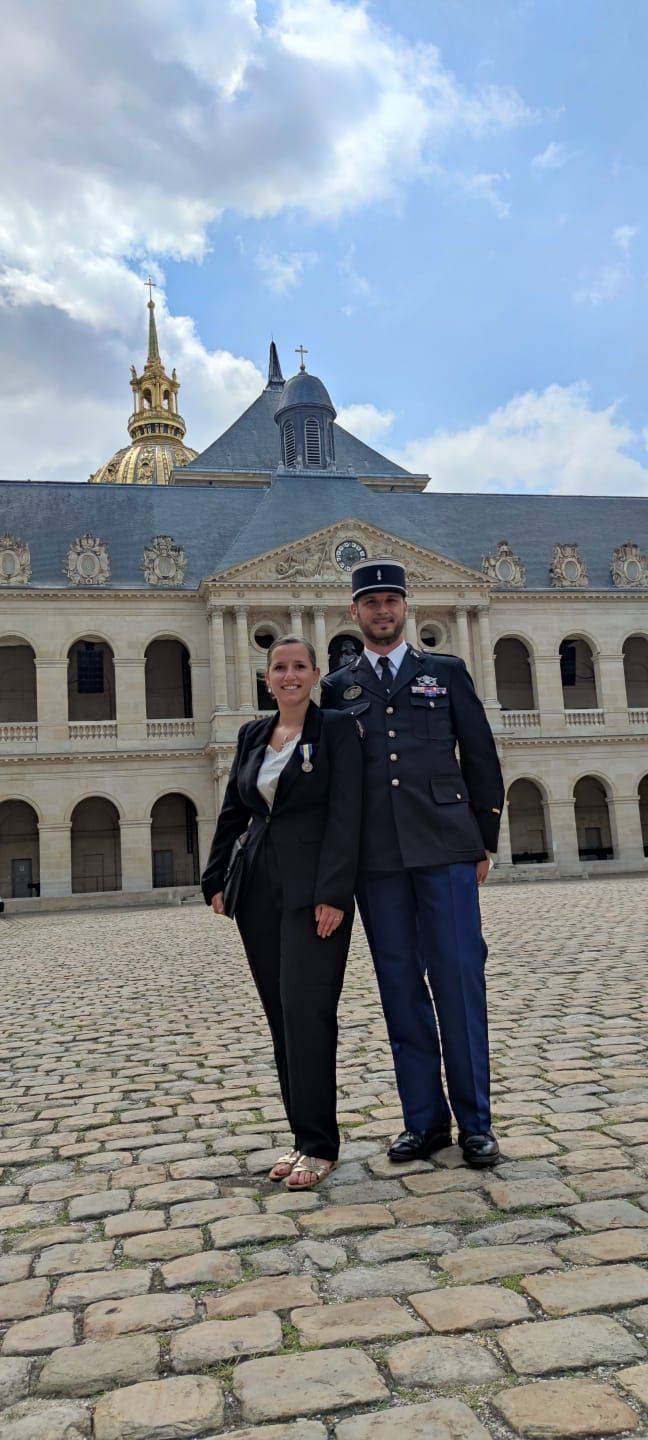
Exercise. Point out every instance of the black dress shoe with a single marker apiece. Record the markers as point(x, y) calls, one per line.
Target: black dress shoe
point(479, 1150)
point(418, 1144)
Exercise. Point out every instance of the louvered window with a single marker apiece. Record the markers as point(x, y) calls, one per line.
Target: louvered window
point(313, 447)
point(289, 443)
point(90, 670)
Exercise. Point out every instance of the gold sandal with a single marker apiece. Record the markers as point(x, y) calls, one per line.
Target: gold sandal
point(290, 1159)
point(309, 1164)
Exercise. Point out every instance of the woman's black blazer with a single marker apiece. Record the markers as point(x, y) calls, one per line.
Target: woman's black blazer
point(315, 819)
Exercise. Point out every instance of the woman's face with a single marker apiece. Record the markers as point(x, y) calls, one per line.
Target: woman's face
point(291, 674)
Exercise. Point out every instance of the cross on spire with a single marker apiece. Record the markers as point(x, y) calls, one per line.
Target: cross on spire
point(152, 286)
point(301, 351)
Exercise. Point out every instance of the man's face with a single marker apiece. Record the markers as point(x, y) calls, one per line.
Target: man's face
point(381, 616)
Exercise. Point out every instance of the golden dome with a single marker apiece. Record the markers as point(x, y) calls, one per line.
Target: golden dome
point(156, 426)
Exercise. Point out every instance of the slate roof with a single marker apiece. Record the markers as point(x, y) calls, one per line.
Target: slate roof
point(221, 527)
point(252, 444)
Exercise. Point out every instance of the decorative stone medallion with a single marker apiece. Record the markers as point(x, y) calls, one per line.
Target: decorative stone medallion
point(629, 566)
point(504, 567)
point(88, 562)
point(15, 561)
point(349, 553)
point(164, 562)
point(567, 569)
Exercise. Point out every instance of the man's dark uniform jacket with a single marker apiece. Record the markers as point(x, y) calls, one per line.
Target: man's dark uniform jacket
point(423, 806)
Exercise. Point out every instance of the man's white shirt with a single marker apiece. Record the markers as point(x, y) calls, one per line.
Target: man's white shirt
point(395, 658)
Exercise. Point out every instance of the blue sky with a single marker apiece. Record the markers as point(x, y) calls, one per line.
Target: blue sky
point(443, 199)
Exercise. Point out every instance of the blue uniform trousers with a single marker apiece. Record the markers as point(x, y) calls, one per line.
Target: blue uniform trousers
point(426, 923)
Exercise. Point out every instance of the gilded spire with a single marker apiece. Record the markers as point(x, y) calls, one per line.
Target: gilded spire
point(155, 394)
point(153, 356)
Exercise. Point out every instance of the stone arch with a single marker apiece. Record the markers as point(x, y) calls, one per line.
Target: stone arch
point(95, 843)
point(91, 679)
point(174, 840)
point(635, 669)
point(18, 692)
point(515, 673)
point(594, 817)
point(168, 680)
point(529, 824)
point(19, 848)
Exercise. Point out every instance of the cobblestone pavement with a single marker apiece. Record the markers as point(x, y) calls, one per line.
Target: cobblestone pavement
point(154, 1283)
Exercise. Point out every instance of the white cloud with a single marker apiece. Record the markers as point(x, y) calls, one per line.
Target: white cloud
point(551, 441)
point(366, 421)
point(485, 186)
point(283, 273)
point(553, 158)
point(134, 128)
point(623, 237)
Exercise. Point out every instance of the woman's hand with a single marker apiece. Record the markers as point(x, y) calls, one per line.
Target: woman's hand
point(483, 869)
point(217, 904)
point(327, 919)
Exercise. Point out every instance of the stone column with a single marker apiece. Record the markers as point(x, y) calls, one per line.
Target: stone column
point(550, 694)
point(55, 859)
point(625, 819)
point(612, 694)
point(297, 619)
point(564, 838)
point(130, 698)
point(463, 634)
point(487, 660)
point(216, 622)
point(206, 830)
point(320, 639)
point(504, 855)
point(410, 627)
point(201, 690)
point(52, 703)
point(136, 858)
point(243, 659)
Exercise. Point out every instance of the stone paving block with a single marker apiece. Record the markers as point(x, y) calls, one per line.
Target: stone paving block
point(353, 1320)
point(215, 1267)
point(251, 1230)
point(563, 1409)
point(435, 1420)
point(85, 1369)
point(440, 1361)
point(470, 1307)
point(37, 1336)
point(95, 1285)
point(527, 1147)
point(291, 1385)
point(593, 1159)
point(514, 1194)
point(437, 1182)
point(14, 1267)
point(323, 1254)
point(25, 1298)
point(443, 1209)
point(64, 1259)
point(14, 1380)
point(163, 1244)
point(13, 1216)
point(201, 1212)
point(573, 1344)
point(263, 1294)
point(604, 1214)
point(93, 1207)
point(48, 1236)
point(215, 1340)
point(133, 1222)
point(344, 1219)
point(405, 1240)
point(32, 1420)
point(635, 1381)
point(603, 1287)
point(483, 1263)
point(604, 1246)
point(360, 1282)
point(174, 1192)
point(292, 1430)
point(182, 1406)
point(608, 1184)
point(523, 1230)
point(107, 1319)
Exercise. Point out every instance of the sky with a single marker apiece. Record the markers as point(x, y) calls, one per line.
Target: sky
point(443, 200)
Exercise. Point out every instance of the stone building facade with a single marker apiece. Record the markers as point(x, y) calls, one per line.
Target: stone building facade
point(135, 613)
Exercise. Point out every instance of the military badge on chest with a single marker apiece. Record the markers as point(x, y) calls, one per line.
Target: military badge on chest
point(428, 685)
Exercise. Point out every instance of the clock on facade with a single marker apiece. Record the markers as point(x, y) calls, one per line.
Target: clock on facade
point(348, 553)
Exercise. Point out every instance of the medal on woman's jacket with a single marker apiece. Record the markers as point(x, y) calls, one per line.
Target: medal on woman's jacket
point(306, 751)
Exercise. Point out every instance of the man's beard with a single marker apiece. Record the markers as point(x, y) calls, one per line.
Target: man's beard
point(381, 637)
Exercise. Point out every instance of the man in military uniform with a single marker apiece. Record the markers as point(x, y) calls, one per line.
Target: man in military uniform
point(430, 823)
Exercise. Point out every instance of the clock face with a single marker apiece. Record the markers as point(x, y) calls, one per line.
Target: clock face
point(348, 553)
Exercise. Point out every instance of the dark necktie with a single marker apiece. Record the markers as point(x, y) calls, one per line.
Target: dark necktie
point(385, 673)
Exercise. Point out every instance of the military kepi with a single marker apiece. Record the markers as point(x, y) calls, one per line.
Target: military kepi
point(372, 575)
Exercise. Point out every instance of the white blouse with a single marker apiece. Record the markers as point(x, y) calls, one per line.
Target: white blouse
point(274, 761)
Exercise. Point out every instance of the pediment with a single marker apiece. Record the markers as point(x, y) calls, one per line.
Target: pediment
point(313, 559)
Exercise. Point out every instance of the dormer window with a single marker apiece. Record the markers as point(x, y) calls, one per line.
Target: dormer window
point(313, 442)
point(289, 443)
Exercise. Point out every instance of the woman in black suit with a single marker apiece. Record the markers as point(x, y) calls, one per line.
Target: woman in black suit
point(296, 788)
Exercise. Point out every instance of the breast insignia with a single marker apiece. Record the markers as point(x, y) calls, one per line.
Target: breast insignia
point(353, 692)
